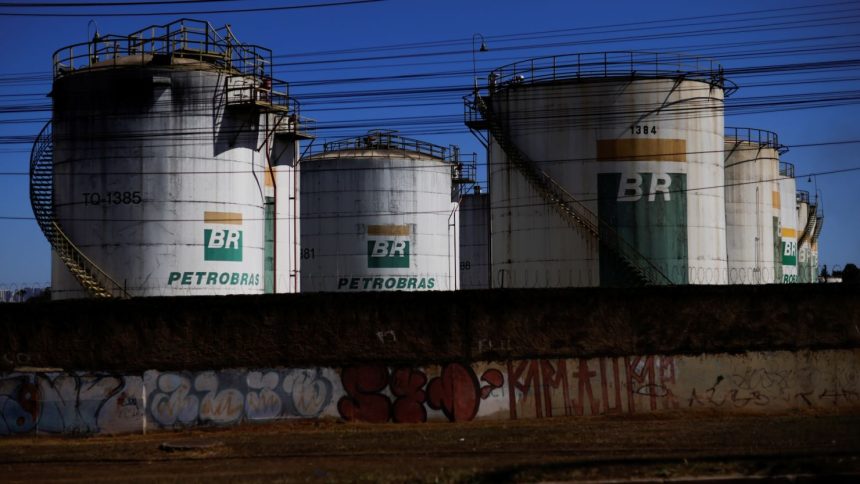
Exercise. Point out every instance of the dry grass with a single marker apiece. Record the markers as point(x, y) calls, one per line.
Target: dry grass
point(489, 451)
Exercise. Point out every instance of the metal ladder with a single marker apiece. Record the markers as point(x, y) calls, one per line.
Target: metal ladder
point(819, 224)
point(94, 280)
point(641, 270)
point(809, 228)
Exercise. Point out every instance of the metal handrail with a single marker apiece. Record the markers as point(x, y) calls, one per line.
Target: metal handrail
point(465, 166)
point(607, 64)
point(273, 92)
point(186, 38)
point(819, 224)
point(94, 280)
point(386, 140)
point(786, 169)
point(802, 196)
point(567, 204)
point(105, 290)
point(761, 137)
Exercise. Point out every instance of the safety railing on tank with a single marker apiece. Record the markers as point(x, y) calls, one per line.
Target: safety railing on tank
point(386, 140)
point(464, 167)
point(242, 89)
point(761, 137)
point(786, 169)
point(571, 209)
point(297, 123)
point(471, 115)
point(306, 125)
point(291, 122)
point(819, 223)
point(802, 196)
point(183, 38)
point(809, 227)
point(610, 64)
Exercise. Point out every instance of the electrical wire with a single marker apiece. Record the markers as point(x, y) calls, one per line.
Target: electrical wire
point(446, 123)
point(341, 3)
point(104, 4)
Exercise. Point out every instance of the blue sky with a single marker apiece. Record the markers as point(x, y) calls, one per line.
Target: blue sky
point(782, 32)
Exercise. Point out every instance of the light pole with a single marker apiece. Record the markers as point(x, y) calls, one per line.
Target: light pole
point(482, 49)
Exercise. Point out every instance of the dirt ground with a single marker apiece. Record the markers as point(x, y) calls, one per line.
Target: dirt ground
point(672, 447)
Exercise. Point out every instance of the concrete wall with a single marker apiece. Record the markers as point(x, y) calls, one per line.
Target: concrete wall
point(90, 367)
point(419, 329)
point(760, 382)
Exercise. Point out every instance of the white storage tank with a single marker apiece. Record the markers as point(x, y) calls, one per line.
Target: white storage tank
point(161, 164)
point(475, 240)
point(788, 222)
point(379, 213)
point(606, 169)
point(752, 205)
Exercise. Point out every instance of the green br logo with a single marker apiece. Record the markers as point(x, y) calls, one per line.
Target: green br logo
point(388, 246)
point(789, 253)
point(222, 243)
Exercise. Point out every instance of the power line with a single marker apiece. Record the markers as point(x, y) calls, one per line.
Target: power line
point(104, 4)
point(439, 212)
point(734, 18)
point(661, 24)
point(414, 166)
point(341, 3)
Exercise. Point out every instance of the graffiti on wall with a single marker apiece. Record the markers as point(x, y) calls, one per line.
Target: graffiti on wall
point(599, 386)
point(70, 403)
point(184, 399)
point(760, 387)
point(89, 403)
point(456, 392)
point(760, 382)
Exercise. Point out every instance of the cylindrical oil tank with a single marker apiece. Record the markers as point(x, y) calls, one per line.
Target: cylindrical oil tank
point(788, 222)
point(633, 144)
point(475, 240)
point(752, 205)
point(378, 214)
point(160, 170)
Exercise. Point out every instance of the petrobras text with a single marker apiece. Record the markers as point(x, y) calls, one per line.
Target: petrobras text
point(399, 283)
point(203, 278)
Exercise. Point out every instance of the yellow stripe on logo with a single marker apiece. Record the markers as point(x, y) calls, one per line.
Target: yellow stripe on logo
point(788, 232)
point(269, 178)
point(642, 149)
point(231, 218)
point(388, 230)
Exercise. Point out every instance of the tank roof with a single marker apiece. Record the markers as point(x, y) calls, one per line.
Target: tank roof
point(761, 137)
point(167, 44)
point(616, 64)
point(377, 141)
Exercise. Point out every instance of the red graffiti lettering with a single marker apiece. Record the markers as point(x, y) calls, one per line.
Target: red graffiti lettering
point(584, 376)
point(456, 393)
point(551, 379)
point(531, 384)
point(363, 401)
point(604, 387)
point(494, 379)
point(406, 385)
